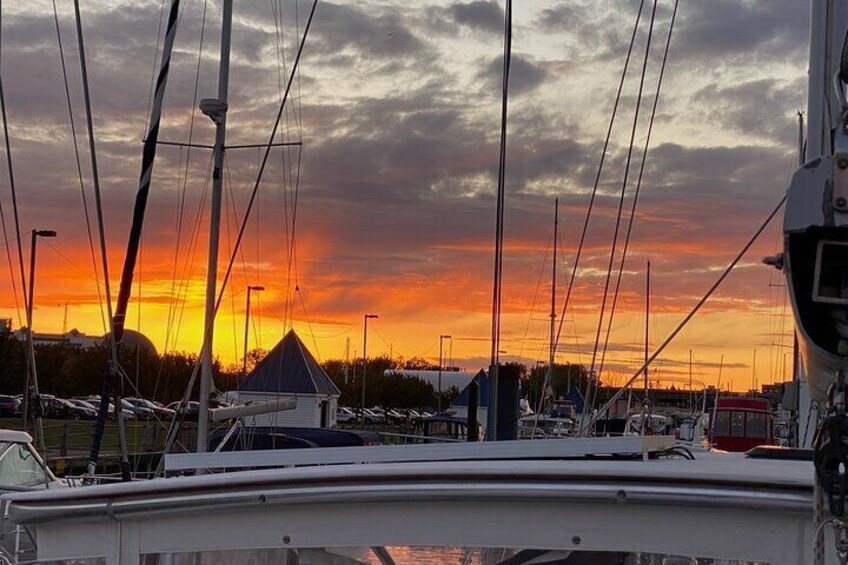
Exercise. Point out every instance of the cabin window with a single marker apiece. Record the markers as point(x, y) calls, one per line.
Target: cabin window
point(737, 424)
point(721, 427)
point(19, 467)
point(439, 429)
point(757, 425)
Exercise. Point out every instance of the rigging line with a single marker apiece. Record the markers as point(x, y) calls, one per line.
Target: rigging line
point(231, 192)
point(497, 282)
point(621, 204)
point(187, 270)
point(242, 228)
point(690, 315)
point(92, 149)
point(299, 104)
point(152, 88)
point(172, 293)
point(386, 342)
point(308, 323)
point(69, 261)
point(12, 279)
point(293, 266)
point(535, 294)
point(182, 199)
point(232, 288)
point(8, 147)
point(296, 198)
point(72, 123)
point(638, 185)
point(579, 252)
point(189, 265)
point(281, 69)
point(285, 158)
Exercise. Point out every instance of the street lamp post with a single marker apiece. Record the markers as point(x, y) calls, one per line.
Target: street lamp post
point(365, 359)
point(439, 398)
point(247, 327)
point(31, 375)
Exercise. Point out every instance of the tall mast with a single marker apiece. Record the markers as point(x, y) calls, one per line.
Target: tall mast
point(497, 283)
point(553, 289)
point(647, 314)
point(112, 378)
point(217, 111)
point(828, 21)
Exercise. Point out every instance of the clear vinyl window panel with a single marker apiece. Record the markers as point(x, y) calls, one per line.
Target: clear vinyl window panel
point(721, 427)
point(757, 425)
point(737, 424)
point(19, 467)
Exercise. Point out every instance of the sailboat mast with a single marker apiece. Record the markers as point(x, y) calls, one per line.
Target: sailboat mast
point(497, 283)
point(647, 315)
point(691, 401)
point(217, 111)
point(553, 289)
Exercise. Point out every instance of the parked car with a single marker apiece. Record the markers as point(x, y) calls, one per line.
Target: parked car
point(82, 404)
point(379, 413)
point(160, 411)
point(10, 406)
point(141, 411)
point(394, 416)
point(345, 415)
point(61, 409)
point(370, 416)
point(94, 400)
point(191, 409)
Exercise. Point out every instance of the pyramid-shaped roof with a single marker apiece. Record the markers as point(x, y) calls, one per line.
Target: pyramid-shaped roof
point(289, 368)
point(482, 379)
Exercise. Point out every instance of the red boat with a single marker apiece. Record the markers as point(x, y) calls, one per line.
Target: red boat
point(740, 424)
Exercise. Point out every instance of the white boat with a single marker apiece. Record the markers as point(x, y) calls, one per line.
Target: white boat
point(529, 505)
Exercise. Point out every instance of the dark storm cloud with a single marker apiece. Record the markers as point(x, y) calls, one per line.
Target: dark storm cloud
point(525, 75)
point(764, 107)
point(369, 36)
point(708, 35)
point(720, 29)
point(563, 16)
point(480, 15)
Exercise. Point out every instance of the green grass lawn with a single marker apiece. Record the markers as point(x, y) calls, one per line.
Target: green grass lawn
point(74, 436)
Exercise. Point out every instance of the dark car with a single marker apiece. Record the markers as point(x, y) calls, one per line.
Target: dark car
point(191, 410)
point(60, 409)
point(160, 411)
point(10, 407)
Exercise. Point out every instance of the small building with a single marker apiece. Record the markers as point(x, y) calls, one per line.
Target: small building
point(290, 371)
point(73, 338)
point(459, 407)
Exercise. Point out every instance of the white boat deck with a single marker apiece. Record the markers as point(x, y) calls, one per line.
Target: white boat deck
point(551, 504)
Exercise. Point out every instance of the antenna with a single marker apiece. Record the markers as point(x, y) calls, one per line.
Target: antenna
point(347, 359)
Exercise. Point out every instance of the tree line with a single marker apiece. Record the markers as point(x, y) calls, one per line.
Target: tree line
point(66, 370)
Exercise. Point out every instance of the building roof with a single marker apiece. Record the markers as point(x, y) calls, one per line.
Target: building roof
point(482, 379)
point(289, 368)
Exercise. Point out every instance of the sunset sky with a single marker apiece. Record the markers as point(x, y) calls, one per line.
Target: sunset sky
point(398, 107)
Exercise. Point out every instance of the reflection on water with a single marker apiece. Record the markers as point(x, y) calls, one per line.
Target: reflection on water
point(406, 555)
